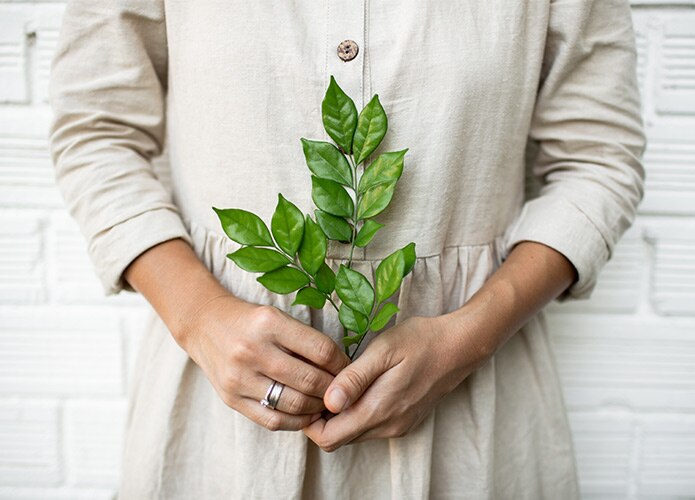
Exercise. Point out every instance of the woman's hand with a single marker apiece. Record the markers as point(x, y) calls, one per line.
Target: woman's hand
point(243, 347)
point(396, 382)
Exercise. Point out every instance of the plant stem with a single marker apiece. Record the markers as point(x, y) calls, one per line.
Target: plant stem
point(354, 212)
point(298, 266)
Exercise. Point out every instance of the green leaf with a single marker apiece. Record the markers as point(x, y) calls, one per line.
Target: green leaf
point(326, 161)
point(371, 129)
point(325, 279)
point(339, 116)
point(283, 280)
point(389, 274)
point(287, 225)
point(365, 235)
point(409, 257)
point(387, 167)
point(310, 297)
point(335, 228)
point(331, 197)
point(353, 339)
point(244, 227)
point(383, 316)
point(354, 290)
point(312, 251)
point(352, 320)
point(258, 260)
point(375, 200)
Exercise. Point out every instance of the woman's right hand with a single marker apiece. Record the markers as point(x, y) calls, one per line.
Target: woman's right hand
point(242, 347)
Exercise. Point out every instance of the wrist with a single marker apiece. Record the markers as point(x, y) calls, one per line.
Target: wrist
point(481, 325)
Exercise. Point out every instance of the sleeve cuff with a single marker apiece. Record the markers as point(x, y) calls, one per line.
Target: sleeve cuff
point(556, 222)
point(113, 250)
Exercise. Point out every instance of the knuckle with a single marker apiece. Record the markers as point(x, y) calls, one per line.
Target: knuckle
point(264, 317)
point(272, 421)
point(312, 382)
point(327, 446)
point(356, 379)
point(230, 379)
point(326, 351)
point(242, 351)
point(295, 404)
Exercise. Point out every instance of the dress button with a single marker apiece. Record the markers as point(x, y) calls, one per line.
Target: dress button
point(347, 50)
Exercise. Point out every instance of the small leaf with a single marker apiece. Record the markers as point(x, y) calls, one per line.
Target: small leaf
point(310, 297)
point(312, 251)
point(287, 225)
point(365, 235)
point(409, 257)
point(325, 279)
point(352, 320)
point(389, 274)
point(353, 339)
point(383, 316)
point(371, 129)
point(339, 116)
point(326, 161)
point(331, 197)
point(335, 228)
point(283, 280)
point(258, 260)
point(387, 167)
point(354, 290)
point(375, 200)
point(244, 227)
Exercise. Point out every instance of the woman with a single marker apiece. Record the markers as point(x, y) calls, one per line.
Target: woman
point(460, 397)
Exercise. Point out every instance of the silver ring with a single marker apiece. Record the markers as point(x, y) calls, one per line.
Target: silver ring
point(272, 395)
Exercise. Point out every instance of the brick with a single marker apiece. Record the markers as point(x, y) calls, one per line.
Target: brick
point(73, 278)
point(603, 444)
point(667, 458)
point(22, 268)
point(93, 442)
point(673, 276)
point(640, 362)
point(56, 494)
point(29, 443)
point(27, 178)
point(14, 70)
point(669, 160)
point(619, 284)
point(60, 352)
point(675, 93)
point(45, 26)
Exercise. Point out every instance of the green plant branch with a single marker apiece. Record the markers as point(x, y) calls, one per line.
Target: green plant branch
point(297, 265)
point(351, 160)
point(369, 320)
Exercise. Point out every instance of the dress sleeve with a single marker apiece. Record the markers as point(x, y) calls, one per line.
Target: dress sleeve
point(588, 126)
point(106, 92)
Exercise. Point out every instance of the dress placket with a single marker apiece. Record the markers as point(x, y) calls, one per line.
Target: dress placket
point(345, 59)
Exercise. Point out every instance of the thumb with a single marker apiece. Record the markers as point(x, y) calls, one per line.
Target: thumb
point(354, 379)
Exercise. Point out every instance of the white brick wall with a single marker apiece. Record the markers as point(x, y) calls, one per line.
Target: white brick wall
point(627, 356)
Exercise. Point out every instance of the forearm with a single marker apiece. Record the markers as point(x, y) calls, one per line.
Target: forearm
point(175, 282)
point(531, 276)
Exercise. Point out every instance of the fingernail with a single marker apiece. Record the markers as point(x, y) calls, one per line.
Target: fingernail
point(315, 418)
point(337, 399)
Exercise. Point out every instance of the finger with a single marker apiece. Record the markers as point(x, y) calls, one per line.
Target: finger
point(314, 346)
point(339, 430)
point(290, 371)
point(290, 401)
point(274, 420)
point(351, 382)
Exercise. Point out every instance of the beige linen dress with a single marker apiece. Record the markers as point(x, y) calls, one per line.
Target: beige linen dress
point(231, 86)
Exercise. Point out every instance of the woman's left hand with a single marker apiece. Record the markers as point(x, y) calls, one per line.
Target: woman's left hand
point(395, 383)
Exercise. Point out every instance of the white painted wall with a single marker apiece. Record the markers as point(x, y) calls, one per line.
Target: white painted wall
point(627, 356)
